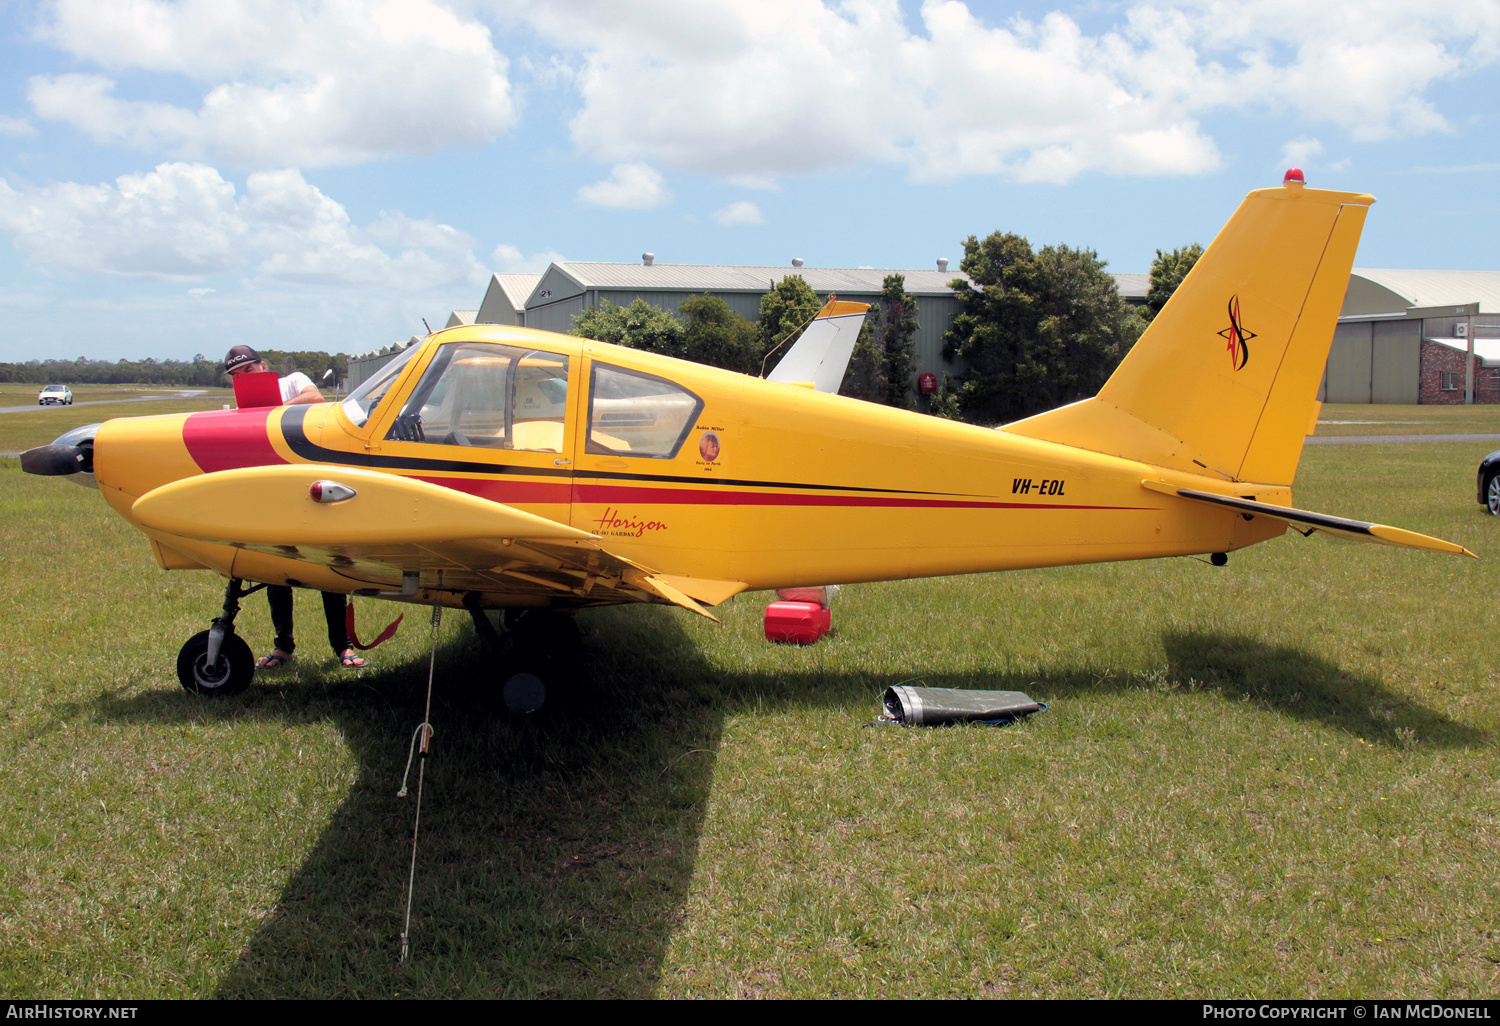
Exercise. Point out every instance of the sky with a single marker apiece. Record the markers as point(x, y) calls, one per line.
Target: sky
point(178, 178)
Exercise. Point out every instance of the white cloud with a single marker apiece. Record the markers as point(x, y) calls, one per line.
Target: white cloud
point(1307, 154)
point(632, 186)
point(178, 221)
point(757, 91)
point(1300, 151)
point(766, 182)
point(15, 126)
point(184, 221)
point(507, 259)
point(751, 91)
point(304, 82)
point(743, 212)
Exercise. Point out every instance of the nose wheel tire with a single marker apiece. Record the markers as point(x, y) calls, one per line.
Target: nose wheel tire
point(230, 675)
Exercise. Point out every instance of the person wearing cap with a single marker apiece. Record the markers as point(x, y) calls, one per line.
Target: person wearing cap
point(296, 388)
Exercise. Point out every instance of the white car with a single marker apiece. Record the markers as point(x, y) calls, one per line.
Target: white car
point(55, 395)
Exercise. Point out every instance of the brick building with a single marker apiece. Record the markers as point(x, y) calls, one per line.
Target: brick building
point(1442, 378)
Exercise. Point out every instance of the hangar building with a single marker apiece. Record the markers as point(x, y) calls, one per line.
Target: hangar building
point(551, 300)
point(1404, 337)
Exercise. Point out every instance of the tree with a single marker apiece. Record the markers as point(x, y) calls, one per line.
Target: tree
point(719, 337)
point(784, 311)
point(884, 357)
point(1167, 272)
point(637, 326)
point(1041, 328)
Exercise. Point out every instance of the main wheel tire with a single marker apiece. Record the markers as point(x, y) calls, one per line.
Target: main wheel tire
point(229, 676)
point(543, 660)
point(523, 692)
point(1492, 495)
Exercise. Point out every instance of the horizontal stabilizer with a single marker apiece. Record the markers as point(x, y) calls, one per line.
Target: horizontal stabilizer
point(1307, 522)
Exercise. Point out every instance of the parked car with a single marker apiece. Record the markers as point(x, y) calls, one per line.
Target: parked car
point(55, 395)
point(1489, 483)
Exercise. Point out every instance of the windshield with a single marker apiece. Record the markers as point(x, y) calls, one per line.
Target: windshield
point(363, 400)
point(491, 395)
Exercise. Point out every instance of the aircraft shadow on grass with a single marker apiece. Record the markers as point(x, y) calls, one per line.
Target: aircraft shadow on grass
point(557, 851)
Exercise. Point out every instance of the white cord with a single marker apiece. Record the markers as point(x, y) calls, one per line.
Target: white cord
point(411, 876)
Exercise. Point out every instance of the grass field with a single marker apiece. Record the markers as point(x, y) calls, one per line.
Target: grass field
point(1364, 419)
point(1271, 779)
point(21, 431)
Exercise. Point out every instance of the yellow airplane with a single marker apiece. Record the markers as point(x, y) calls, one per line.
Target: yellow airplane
point(496, 467)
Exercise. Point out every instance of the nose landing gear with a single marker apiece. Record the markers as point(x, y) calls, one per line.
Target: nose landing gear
point(218, 661)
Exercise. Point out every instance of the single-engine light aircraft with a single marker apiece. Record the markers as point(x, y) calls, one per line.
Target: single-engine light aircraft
point(496, 467)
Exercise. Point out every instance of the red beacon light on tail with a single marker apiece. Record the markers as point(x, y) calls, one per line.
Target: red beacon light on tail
point(1293, 176)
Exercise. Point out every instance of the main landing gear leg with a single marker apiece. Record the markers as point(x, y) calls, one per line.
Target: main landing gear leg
point(537, 652)
point(217, 661)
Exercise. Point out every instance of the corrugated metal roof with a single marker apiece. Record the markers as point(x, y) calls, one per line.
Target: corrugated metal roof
point(1439, 288)
point(517, 286)
point(724, 278)
point(1133, 286)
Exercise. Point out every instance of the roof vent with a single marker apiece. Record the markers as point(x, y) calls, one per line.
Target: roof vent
point(648, 258)
point(942, 263)
point(796, 261)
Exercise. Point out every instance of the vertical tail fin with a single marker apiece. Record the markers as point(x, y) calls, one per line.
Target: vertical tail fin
point(1224, 381)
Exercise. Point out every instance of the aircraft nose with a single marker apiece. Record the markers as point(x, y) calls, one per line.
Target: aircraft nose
point(70, 455)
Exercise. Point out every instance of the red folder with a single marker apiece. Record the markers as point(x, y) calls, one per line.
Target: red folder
point(263, 388)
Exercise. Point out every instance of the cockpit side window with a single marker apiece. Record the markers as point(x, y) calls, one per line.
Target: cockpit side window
point(635, 414)
point(488, 395)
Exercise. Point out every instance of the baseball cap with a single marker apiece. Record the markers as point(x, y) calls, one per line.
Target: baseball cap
point(239, 356)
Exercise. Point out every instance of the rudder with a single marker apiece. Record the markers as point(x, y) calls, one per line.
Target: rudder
point(1224, 381)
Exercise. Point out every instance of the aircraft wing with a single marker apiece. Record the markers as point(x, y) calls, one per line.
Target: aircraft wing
point(821, 355)
point(1307, 522)
point(389, 525)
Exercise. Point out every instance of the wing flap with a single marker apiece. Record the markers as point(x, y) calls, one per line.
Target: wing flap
point(1307, 521)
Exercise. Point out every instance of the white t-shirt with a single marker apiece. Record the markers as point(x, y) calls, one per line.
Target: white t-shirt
point(293, 385)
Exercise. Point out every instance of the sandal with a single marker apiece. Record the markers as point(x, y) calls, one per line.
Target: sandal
point(350, 661)
point(275, 661)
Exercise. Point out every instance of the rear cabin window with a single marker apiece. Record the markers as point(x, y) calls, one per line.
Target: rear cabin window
point(488, 395)
point(634, 414)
